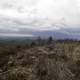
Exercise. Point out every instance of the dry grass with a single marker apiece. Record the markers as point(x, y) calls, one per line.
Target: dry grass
point(59, 61)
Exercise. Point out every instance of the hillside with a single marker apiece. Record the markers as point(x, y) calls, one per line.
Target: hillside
point(51, 61)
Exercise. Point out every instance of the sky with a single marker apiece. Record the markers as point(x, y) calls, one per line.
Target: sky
point(27, 16)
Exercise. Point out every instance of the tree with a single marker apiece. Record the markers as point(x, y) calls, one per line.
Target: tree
point(33, 44)
point(50, 39)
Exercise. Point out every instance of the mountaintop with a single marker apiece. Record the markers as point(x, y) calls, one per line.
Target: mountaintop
point(50, 61)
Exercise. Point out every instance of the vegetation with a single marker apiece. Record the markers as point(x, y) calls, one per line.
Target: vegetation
point(41, 60)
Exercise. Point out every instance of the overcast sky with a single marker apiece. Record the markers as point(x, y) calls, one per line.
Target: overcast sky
point(39, 15)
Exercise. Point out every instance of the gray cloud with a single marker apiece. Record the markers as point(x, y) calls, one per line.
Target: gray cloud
point(28, 16)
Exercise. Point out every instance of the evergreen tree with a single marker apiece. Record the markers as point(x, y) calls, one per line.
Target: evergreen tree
point(50, 39)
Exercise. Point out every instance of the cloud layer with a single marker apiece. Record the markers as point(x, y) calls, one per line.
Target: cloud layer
point(39, 15)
